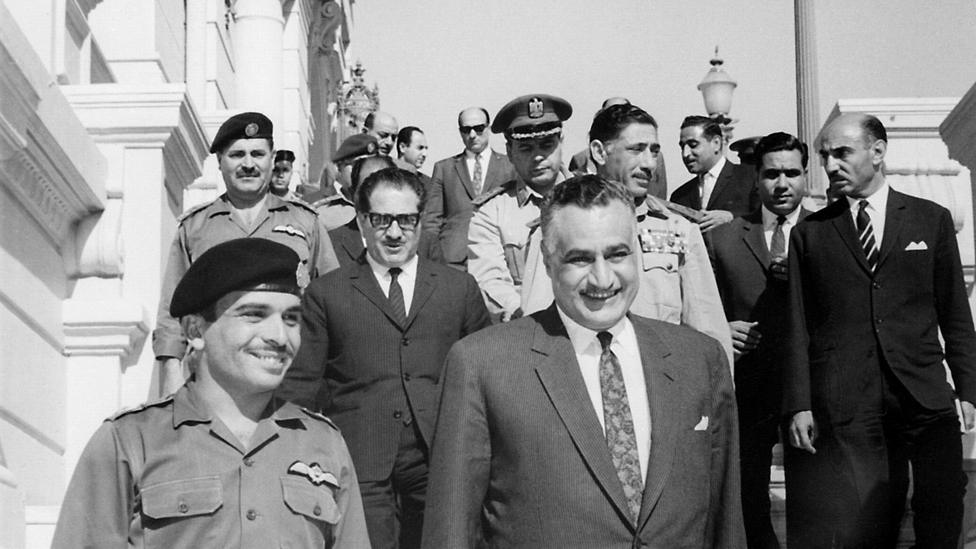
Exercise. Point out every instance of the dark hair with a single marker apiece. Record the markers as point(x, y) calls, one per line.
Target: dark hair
point(360, 163)
point(584, 191)
point(392, 177)
point(609, 122)
point(284, 155)
point(780, 141)
point(368, 122)
point(710, 128)
point(873, 129)
point(483, 111)
point(406, 136)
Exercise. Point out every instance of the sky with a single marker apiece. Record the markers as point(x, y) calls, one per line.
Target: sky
point(430, 59)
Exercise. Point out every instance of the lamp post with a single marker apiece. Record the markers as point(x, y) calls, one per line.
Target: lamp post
point(716, 89)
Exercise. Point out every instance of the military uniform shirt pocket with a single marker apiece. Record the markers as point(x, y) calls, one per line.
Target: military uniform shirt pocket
point(313, 502)
point(182, 498)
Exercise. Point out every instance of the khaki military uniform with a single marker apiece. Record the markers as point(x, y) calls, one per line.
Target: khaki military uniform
point(292, 223)
point(335, 211)
point(498, 239)
point(170, 474)
point(677, 284)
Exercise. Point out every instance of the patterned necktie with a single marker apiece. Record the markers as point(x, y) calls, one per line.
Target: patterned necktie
point(396, 296)
point(777, 247)
point(708, 185)
point(476, 178)
point(619, 426)
point(866, 233)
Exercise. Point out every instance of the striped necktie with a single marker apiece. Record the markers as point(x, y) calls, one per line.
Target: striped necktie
point(396, 296)
point(866, 234)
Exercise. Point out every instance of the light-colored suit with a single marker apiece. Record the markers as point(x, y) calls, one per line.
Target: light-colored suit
point(520, 459)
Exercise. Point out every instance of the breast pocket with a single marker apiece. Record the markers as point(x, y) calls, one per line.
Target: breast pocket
point(314, 507)
point(176, 512)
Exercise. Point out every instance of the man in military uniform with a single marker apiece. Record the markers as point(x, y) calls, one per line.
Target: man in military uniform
point(499, 230)
point(339, 209)
point(221, 463)
point(244, 150)
point(284, 161)
point(676, 284)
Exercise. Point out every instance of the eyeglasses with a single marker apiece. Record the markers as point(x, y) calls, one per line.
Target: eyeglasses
point(383, 221)
point(478, 129)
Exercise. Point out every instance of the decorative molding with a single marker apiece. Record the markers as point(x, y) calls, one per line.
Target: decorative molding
point(109, 327)
point(958, 130)
point(27, 428)
point(326, 26)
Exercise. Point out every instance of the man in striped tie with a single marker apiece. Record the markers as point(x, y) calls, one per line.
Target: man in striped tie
point(873, 280)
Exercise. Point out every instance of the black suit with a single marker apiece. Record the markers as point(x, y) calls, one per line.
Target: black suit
point(449, 210)
point(751, 292)
point(734, 191)
point(865, 357)
point(379, 380)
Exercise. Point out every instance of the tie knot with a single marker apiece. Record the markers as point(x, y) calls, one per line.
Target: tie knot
point(605, 339)
point(395, 272)
point(780, 219)
point(863, 205)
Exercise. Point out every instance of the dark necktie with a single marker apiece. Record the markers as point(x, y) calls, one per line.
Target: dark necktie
point(396, 296)
point(777, 247)
point(866, 233)
point(476, 178)
point(619, 426)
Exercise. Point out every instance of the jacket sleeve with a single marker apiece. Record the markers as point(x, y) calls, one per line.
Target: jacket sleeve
point(305, 376)
point(952, 307)
point(701, 305)
point(322, 250)
point(167, 337)
point(98, 506)
point(460, 459)
point(434, 209)
point(486, 262)
point(475, 313)
point(796, 368)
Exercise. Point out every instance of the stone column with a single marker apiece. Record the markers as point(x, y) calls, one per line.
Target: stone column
point(807, 91)
point(196, 47)
point(257, 36)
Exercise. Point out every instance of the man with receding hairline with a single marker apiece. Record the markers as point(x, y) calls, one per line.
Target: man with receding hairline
point(874, 280)
point(384, 127)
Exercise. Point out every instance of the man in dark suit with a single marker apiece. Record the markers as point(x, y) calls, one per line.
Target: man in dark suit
point(580, 425)
point(874, 278)
point(459, 179)
point(721, 189)
point(374, 338)
point(749, 259)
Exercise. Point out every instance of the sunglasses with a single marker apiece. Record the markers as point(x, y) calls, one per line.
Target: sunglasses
point(383, 221)
point(478, 129)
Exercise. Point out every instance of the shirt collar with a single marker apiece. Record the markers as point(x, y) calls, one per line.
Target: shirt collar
point(484, 154)
point(582, 338)
point(188, 407)
point(223, 205)
point(769, 218)
point(878, 200)
point(717, 168)
point(409, 268)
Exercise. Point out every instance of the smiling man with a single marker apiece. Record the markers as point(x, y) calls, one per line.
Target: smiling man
point(373, 343)
point(245, 151)
point(221, 463)
point(582, 425)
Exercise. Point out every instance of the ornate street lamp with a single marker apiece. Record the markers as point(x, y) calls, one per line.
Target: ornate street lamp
point(716, 89)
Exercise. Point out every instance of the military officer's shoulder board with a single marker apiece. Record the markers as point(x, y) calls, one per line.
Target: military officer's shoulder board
point(159, 403)
point(483, 198)
point(193, 211)
point(320, 417)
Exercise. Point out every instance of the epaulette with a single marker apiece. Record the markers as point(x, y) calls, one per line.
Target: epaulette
point(327, 201)
point(192, 211)
point(140, 407)
point(320, 417)
point(299, 202)
point(481, 199)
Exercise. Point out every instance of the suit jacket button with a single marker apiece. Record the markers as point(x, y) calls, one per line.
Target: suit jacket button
point(397, 414)
point(876, 285)
point(252, 514)
point(406, 377)
point(405, 341)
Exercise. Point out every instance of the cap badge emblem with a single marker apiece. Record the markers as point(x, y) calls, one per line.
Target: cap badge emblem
point(535, 108)
point(370, 147)
point(302, 276)
point(251, 129)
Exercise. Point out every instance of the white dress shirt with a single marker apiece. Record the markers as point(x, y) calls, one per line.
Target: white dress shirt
point(407, 279)
point(877, 203)
point(769, 227)
point(708, 180)
point(485, 157)
point(624, 345)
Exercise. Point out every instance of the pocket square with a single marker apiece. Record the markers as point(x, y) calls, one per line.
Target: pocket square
point(916, 246)
point(702, 424)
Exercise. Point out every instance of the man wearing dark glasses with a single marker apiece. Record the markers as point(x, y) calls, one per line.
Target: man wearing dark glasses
point(375, 335)
point(458, 180)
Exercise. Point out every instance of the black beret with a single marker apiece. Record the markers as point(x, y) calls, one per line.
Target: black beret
point(247, 125)
point(284, 155)
point(532, 116)
point(354, 146)
point(238, 265)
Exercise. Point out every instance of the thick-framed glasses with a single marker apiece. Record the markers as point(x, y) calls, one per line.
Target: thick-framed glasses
point(383, 221)
point(478, 129)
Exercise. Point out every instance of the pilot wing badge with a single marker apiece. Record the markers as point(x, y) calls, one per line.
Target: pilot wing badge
point(313, 473)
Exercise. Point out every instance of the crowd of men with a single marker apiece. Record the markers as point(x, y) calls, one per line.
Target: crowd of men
point(514, 353)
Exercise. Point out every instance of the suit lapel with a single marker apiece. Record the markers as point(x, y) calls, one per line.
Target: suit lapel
point(363, 280)
point(664, 398)
point(844, 224)
point(724, 177)
point(559, 373)
point(754, 238)
point(352, 242)
point(423, 289)
point(494, 176)
point(894, 218)
point(461, 167)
